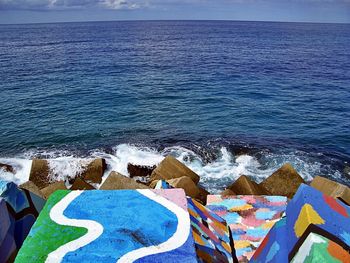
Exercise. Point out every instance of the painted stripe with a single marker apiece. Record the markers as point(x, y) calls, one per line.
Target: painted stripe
point(175, 241)
point(56, 214)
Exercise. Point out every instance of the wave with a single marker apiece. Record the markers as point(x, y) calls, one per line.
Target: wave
point(218, 166)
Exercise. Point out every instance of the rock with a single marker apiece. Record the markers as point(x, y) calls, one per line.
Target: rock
point(332, 188)
point(31, 187)
point(153, 184)
point(202, 197)
point(135, 170)
point(227, 192)
point(80, 184)
point(187, 184)
point(94, 171)
point(39, 173)
point(285, 181)
point(7, 168)
point(171, 168)
point(244, 186)
point(117, 181)
point(47, 191)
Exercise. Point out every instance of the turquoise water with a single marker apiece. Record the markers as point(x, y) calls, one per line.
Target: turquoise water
point(275, 91)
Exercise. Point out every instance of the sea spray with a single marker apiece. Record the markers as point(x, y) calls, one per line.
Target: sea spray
point(215, 172)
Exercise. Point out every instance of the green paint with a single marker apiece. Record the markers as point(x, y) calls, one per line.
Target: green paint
point(319, 253)
point(46, 236)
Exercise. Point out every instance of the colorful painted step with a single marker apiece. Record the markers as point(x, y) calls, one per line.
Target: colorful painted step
point(8, 248)
point(212, 236)
point(250, 218)
point(315, 224)
point(111, 226)
point(23, 206)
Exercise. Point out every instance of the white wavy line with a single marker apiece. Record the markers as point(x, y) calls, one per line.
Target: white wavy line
point(56, 214)
point(178, 239)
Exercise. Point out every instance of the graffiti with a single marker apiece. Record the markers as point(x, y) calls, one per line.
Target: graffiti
point(111, 226)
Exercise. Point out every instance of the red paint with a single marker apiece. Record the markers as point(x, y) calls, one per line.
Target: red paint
point(333, 203)
point(261, 247)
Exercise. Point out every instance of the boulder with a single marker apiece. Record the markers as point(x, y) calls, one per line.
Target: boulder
point(39, 173)
point(47, 191)
point(80, 184)
point(117, 181)
point(7, 168)
point(187, 184)
point(171, 168)
point(33, 188)
point(227, 192)
point(285, 181)
point(202, 197)
point(135, 170)
point(94, 171)
point(332, 188)
point(244, 186)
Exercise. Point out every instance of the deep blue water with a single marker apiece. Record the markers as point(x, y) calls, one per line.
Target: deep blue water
point(276, 87)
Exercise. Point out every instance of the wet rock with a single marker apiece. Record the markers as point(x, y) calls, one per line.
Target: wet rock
point(31, 187)
point(227, 192)
point(80, 184)
point(202, 197)
point(135, 170)
point(171, 168)
point(244, 186)
point(94, 171)
point(117, 181)
point(39, 173)
point(7, 168)
point(47, 191)
point(187, 184)
point(285, 181)
point(332, 188)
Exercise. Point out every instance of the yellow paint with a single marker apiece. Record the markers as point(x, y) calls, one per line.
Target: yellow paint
point(241, 208)
point(226, 246)
point(268, 224)
point(198, 239)
point(307, 216)
point(241, 244)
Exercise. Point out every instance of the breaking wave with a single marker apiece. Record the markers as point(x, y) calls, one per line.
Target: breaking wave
point(217, 166)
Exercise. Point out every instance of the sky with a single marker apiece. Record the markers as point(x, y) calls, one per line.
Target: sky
point(42, 11)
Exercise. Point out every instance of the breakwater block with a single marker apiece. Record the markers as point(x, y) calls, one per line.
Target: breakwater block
point(285, 181)
point(112, 226)
point(23, 206)
point(331, 188)
point(8, 248)
point(317, 229)
point(212, 236)
point(171, 168)
point(249, 217)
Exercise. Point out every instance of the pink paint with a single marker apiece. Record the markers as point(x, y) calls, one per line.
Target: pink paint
point(176, 196)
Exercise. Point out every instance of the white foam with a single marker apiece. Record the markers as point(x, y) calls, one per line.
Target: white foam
point(21, 170)
point(68, 167)
point(215, 175)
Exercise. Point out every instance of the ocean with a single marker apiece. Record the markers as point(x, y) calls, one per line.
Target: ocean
point(225, 97)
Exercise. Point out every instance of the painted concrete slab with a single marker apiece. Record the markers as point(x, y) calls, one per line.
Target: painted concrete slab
point(249, 217)
point(211, 234)
point(7, 229)
point(23, 206)
point(316, 229)
point(112, 226)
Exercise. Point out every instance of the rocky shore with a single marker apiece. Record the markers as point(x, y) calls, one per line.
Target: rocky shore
point(237, 225)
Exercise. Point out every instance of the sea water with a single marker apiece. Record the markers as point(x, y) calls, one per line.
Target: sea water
point(226, 98)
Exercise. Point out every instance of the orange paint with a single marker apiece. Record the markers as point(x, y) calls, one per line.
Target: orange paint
point(338, 252)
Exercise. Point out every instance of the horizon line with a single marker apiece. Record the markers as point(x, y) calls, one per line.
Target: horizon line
point(159, 20)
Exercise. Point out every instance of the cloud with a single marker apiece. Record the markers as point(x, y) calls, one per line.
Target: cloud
point(70, 4)
point(130, 4)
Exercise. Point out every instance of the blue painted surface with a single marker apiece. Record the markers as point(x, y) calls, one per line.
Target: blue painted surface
point(130, 221)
